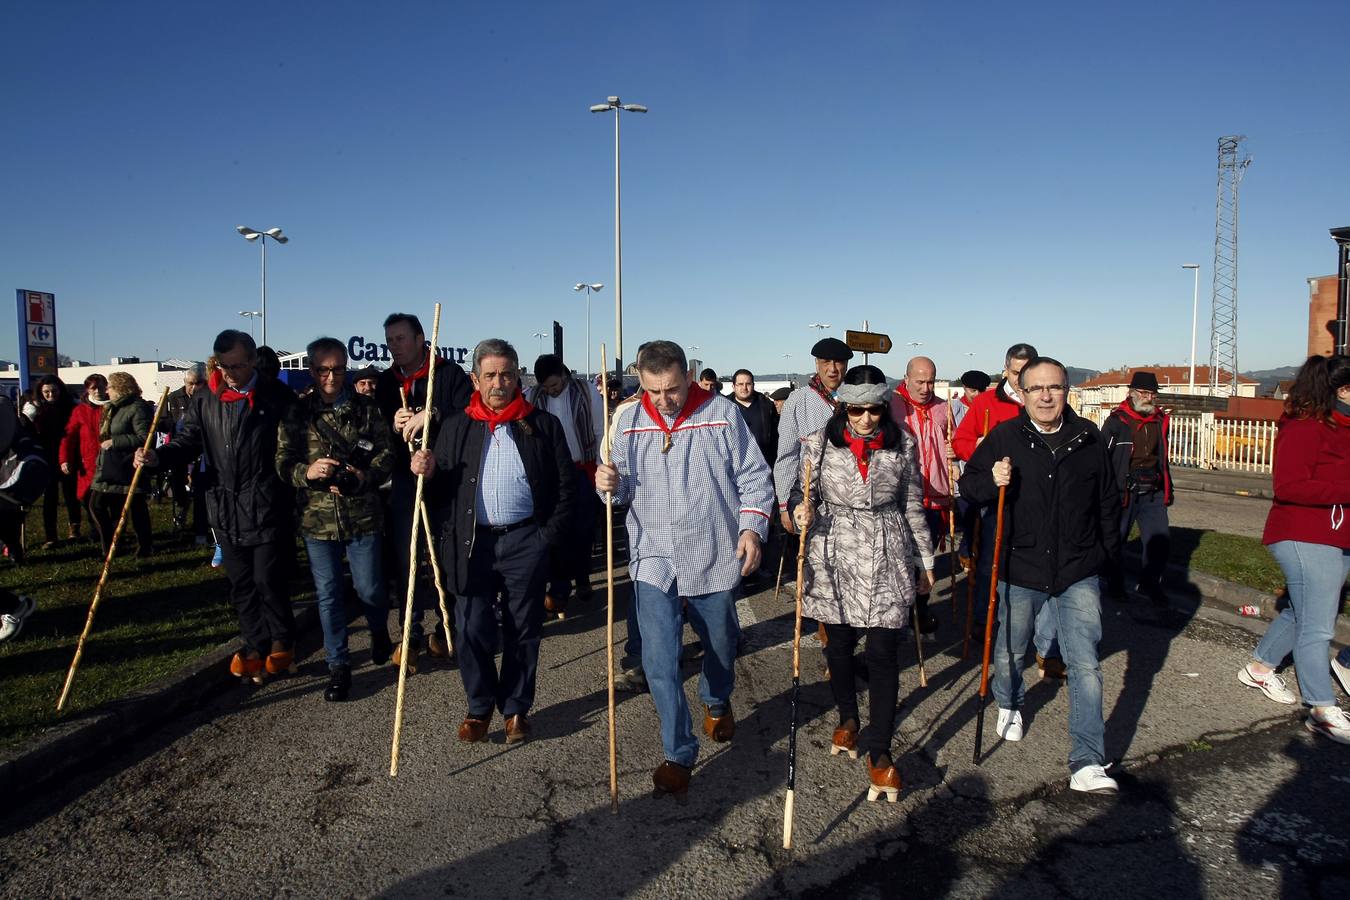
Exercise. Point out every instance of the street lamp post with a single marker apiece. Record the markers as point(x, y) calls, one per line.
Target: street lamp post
point(250, 315)
point(614, 104)
point(540, 335)
point(1195, 305)
point(261, 237)
point(819, 325)
point(589, 289)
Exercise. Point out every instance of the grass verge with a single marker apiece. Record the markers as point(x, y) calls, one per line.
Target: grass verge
point(156, 616)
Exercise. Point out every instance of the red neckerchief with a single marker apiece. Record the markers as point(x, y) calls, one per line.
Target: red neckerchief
point(816, 385)
point(518, 408)
point(412, 379)
point(695, 399)
point(1135, 414)
point(863, 447)
point(216, 384)
point(925, 411)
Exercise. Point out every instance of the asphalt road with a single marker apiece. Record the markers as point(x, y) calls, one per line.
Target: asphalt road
point(273, 792)
point(1228, 513)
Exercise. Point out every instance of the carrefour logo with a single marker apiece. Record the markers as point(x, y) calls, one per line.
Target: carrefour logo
point(361, 350)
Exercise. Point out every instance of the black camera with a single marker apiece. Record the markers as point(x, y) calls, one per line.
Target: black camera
point(359, 457)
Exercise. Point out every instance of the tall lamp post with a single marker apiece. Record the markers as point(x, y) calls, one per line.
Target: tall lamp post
point(1195, 306)
point(589, 289)
point(250, 314)
point(614, 104)
point(540, 335)
point(261, 237)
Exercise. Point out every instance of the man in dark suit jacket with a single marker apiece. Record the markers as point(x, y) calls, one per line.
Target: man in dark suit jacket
point(503, 493)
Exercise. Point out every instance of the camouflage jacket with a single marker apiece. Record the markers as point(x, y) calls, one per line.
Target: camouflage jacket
point(301, 440)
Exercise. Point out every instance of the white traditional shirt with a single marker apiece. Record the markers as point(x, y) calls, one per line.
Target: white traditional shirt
point(691, 503)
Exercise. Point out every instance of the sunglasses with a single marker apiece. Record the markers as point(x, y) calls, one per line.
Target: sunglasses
point(860, 410)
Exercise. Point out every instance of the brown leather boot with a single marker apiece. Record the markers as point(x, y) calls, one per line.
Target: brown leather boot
point(472, 729)
point(845, 740)
point(672, 778)
point(554, 606)
point(517, 729)
point(884, 780)
point(720, 728)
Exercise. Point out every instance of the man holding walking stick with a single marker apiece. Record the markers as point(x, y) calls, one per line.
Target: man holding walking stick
point(1061, 524)
point(701, 498)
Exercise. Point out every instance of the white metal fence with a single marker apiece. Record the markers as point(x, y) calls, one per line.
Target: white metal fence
point(1204, 442)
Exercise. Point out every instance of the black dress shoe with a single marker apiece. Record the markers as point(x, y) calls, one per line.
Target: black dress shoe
point(339, 684)
point(380, 646)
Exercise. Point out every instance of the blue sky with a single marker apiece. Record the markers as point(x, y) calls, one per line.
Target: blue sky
point(961, 175)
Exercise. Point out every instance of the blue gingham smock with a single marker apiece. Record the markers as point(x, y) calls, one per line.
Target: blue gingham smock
point(689, 506)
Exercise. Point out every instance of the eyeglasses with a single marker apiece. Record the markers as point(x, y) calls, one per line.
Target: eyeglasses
point(321, 371)
point(236, 367)
point(860, 410)
point(1032, 390)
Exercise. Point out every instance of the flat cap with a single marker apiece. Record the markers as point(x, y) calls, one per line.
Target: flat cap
point(781, 393)
point(833, 349)
point(369, 372)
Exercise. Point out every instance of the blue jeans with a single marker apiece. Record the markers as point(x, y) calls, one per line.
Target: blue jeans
point(714, 619)
point(1077, 612)
point(325, 564)
point(1315, 574)
point(1150, 511)
point(1044, 635)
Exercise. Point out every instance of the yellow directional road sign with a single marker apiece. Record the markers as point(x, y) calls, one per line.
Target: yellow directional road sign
point(868, 341)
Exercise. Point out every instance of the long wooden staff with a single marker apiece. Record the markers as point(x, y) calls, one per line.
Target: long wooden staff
point(425, 524)
point(107, 562)
point(989, 625)
point(412, 552)
point(974, 566)
point(606, 448)
point(796, 673)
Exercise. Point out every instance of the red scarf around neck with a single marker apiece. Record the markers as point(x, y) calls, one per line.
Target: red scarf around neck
point(412, 379)
point(518, 408)
point(695, 399)
point(819, 387)
point(924, 408)
point(862, 448)
point(216, 384)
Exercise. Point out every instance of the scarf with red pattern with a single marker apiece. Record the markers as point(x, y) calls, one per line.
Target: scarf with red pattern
point(216, 384)
point(695, 399)
point(862, 448)
point(518, 408)
point(412, 379)
point(818, 386)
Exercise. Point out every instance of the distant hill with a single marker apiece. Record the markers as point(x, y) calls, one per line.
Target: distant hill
point(1269, 379)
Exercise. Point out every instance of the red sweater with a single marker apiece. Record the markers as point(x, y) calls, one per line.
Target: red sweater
point(1001, 408)
point(1312, 483)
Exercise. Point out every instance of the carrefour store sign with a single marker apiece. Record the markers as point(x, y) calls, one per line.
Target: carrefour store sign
point(361, 350)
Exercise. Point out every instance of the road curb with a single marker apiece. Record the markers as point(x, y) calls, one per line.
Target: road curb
point(65, 747)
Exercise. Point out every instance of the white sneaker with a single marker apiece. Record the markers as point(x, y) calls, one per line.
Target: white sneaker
point(1009, 724)
point(1269, 684)
point(1330, 721)
point(1341, 673)
point(1093, 780)
point(12, 623)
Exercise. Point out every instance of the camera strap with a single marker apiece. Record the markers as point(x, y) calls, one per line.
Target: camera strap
point(327, 432)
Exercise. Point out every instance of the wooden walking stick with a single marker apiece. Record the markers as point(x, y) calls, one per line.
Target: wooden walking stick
point(782, 555)
point(989, 625)
point(796, 673)
point(412, 552)
point(974, 567)
point(425, 524)
point(107, 562)
point(606, 449)
point(918, 648)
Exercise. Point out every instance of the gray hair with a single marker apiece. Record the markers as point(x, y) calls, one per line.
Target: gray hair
point(661, 356)
point(197, 371)
point(494, 347)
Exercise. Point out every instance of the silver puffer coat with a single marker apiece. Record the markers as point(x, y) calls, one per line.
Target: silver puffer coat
point(866, 535)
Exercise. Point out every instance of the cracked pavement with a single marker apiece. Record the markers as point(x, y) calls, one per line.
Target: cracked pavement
point(273, 792)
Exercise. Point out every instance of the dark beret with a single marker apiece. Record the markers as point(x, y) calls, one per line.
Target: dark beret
point(832, 348)
point(781, 393)
point(975, 380)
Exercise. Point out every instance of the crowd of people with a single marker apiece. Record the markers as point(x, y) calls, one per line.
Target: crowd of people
point(878, 477)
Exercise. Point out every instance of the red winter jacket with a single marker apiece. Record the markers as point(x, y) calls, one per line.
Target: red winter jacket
point(1312, 483)
point(79, 448)
point(1001, 408)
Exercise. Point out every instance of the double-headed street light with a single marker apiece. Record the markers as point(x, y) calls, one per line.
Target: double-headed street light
point(589, 289)
point(614, 104)
point(261, 237)
point(540, 335)
point(250, 314)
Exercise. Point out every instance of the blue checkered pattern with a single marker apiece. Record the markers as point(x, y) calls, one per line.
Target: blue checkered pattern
point(690, 505)
point(804, 413)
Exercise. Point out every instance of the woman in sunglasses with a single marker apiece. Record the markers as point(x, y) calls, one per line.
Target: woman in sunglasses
point(866, 522)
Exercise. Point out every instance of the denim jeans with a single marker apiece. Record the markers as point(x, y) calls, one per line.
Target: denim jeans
point(1314, 574)
point(1150, 511)
point(714, 619)
point(1044, 635)
point(325, 563)
point(1078, 615)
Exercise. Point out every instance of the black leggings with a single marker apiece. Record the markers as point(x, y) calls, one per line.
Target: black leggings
point(883, 682)
point(106, 507)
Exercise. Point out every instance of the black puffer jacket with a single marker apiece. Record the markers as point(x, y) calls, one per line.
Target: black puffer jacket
point(1061, 516)
point(454, 488)
point(247, 501)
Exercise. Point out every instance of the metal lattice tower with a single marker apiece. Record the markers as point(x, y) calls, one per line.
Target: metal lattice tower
point(1223, 322)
